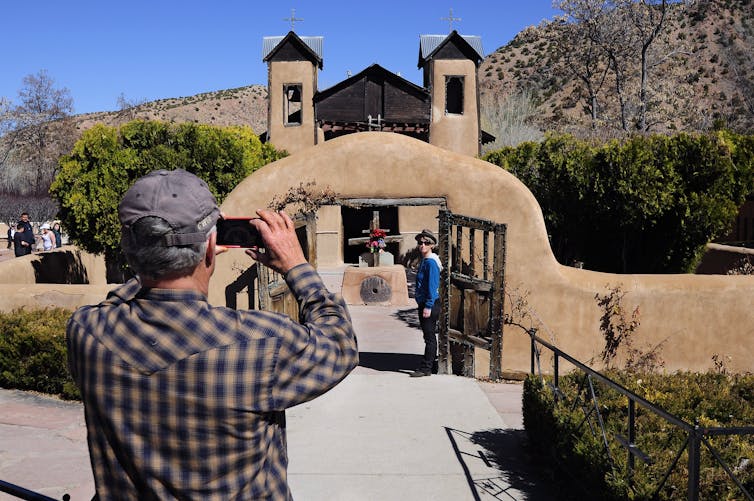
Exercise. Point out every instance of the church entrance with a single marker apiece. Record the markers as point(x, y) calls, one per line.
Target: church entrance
point(356, 223)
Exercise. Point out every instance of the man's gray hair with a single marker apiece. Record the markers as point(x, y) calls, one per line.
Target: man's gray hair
point(150, 258)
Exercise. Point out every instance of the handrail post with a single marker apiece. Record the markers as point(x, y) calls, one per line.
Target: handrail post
point(631, 438)
point(532, 333)
point(556, 378)
point(694, 450)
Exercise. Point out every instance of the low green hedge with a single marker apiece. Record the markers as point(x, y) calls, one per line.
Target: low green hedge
point(575, 443)
point(33, 352)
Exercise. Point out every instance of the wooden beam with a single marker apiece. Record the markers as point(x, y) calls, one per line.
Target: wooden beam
point(363, 240)
point(358, 203)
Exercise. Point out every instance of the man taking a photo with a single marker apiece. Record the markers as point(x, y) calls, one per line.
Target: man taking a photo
point(185, 400)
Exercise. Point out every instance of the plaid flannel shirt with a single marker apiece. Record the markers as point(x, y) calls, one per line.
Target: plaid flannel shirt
point(184, 400)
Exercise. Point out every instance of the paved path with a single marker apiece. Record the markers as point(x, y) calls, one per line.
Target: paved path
point(379, 435)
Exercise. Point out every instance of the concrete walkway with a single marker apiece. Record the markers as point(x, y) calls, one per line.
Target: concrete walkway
point(379, 435)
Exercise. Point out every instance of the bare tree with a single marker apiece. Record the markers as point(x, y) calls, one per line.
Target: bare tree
point(40, 132)
point(579, 42)
point(510, 120)
point(648, 18)
point(7, 123)
point(617, 40)
point(127, 106)
point(40, 208)
point(5, 118)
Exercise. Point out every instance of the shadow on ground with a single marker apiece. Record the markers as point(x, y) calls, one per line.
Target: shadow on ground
point(521, 470)
point(390, 362)
point(408, 316)
point(60, 267)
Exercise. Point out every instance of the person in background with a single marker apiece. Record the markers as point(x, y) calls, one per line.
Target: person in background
point(21, 246)
point(427, 293)
point(48, 237)
point(28, 231)
point(11, 232)
point(183, 399)
point(58, 235)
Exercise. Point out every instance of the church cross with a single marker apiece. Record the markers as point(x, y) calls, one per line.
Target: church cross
point(375, 124)
point(450, 19)
point(374, 224)
point(292, 19)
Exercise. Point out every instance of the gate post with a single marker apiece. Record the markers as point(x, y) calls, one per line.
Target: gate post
point(443, 247)
point(497, 303)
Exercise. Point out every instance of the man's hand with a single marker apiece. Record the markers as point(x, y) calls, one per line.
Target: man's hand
point(427, 312)
point(282, 249)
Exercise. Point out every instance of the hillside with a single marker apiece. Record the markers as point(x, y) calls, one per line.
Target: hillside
point(241, 106)
point(701, 73)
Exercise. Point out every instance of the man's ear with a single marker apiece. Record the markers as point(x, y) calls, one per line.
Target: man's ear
point(209, 255)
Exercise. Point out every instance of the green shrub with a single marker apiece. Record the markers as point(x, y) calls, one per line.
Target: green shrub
point(33, 351)
point(569, 432)
point(106, 161)
point(643, 205)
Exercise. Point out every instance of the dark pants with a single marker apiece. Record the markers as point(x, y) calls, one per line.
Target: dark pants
point(429, 328)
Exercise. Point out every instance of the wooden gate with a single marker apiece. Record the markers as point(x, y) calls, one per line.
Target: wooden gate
point(272, 291)
point(472, 288)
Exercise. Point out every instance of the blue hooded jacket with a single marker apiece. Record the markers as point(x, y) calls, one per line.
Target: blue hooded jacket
point(428, 281)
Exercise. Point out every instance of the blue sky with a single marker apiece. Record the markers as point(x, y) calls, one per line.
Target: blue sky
point(169, 48)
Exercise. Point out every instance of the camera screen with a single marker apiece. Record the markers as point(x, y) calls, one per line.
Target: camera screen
point(237, 232)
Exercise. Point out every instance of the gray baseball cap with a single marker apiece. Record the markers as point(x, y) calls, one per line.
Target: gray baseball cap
point(177, 196)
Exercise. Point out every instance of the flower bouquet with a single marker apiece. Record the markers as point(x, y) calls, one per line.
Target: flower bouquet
point(376, 240)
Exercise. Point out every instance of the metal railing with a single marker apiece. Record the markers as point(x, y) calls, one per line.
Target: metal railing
point(696, 435)
point(21, 493)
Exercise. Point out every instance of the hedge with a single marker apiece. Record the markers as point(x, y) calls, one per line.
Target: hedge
point(648, 204)
point(574, 443)
point(33, 352)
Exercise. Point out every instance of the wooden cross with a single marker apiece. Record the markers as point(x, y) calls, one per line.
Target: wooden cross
point(373, 225)
point(450, 20)
point(293, 19)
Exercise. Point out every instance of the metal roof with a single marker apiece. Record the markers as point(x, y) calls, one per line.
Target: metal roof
point(428, 43)
point(269, 44)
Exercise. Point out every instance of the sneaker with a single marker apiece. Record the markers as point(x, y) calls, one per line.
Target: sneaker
point(420, 373)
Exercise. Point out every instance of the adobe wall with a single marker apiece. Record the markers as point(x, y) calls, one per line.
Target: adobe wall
point(20, 279)
point(718, 259)
point(695, 316)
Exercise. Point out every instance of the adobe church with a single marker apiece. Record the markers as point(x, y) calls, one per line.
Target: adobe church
point(444, 112)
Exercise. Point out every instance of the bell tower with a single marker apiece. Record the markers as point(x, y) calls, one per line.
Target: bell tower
point(292, 66)
point(450, 65)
